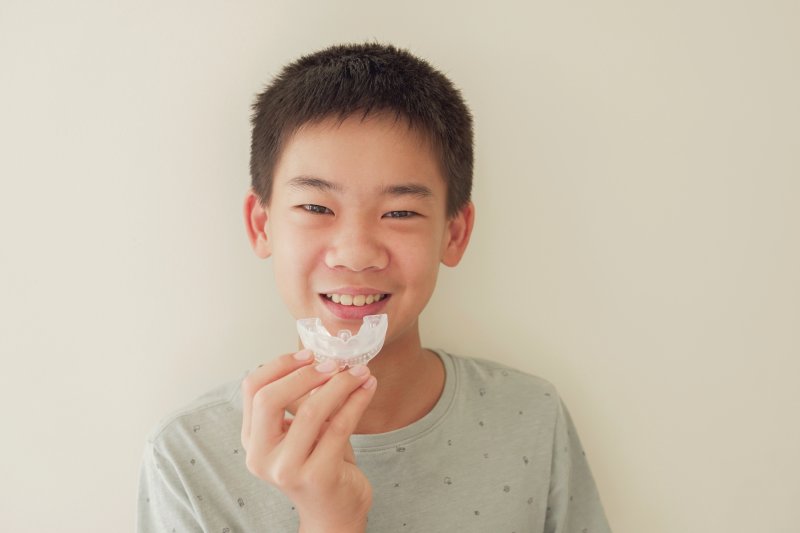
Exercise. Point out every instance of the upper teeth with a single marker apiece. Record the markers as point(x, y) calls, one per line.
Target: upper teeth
point(357, 300)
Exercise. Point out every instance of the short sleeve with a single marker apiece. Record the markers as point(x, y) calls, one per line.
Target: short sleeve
point(163, 505)
point(573, 503)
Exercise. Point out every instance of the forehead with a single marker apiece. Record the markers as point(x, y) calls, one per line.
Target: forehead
point(375, 152)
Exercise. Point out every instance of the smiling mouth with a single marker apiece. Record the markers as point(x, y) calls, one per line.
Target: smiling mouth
point(357, 300)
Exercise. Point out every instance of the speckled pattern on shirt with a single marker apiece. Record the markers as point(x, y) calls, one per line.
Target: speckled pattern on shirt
point(497, 453)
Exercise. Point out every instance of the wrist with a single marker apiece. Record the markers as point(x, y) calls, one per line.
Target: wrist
point(356, 526)
point(340, 517)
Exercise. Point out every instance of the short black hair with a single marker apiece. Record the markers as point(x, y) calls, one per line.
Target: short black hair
point(368, 78)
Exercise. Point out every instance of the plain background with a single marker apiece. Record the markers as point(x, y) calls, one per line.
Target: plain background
point(637, 238)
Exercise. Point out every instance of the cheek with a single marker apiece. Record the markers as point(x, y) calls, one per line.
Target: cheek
point(420, 262)
point(292, 266)
point(294, 249)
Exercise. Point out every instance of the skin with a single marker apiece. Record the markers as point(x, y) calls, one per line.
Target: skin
point(357, 206)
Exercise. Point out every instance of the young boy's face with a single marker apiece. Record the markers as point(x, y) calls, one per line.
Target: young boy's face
point(356, 224)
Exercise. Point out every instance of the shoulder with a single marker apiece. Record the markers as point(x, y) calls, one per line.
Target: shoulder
point(475, 370)
point(210, 412)
point(483, 384)
point(493, 399)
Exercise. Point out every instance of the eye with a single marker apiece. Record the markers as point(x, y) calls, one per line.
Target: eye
point(317, 209)
point(400, 214)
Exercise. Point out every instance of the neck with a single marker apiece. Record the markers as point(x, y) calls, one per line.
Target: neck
point(410, 381)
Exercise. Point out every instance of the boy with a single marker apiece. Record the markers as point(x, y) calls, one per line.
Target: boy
point(361, 166)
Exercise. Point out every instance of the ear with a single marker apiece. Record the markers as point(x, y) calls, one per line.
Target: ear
point(255, 221)
point(457, 233)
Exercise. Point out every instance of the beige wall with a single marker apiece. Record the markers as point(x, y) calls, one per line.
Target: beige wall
point(637, 239)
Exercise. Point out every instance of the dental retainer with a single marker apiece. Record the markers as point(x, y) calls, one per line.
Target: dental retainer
point(344, 348)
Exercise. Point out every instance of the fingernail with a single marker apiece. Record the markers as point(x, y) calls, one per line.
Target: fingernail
point(359, 370)
point(369, 383)
point(329, 365)
point(303, 355)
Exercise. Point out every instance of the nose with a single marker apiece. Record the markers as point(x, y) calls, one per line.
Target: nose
point(356, 247)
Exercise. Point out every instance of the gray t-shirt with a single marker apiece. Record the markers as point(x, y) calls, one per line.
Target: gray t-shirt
point(498, 452)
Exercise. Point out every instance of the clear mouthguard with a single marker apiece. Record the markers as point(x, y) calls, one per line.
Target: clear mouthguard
point(345, 348)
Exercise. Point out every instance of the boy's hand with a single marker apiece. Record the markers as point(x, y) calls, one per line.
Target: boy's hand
point(309, 458)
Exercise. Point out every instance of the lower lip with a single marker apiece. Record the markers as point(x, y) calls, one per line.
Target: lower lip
point(353, 312)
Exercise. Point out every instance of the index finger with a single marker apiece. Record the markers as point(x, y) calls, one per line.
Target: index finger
point(265, 374)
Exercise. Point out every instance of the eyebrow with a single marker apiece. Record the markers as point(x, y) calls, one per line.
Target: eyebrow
point(406, 189)
point(310, 182)
point(410, 189)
